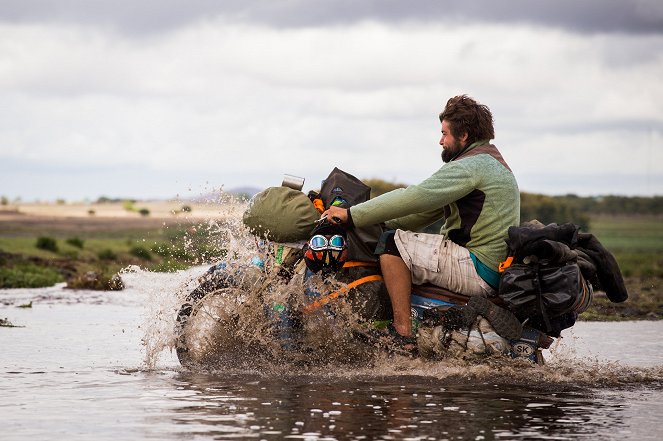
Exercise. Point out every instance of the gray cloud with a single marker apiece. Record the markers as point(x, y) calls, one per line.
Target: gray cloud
point(240, 94)
point(623, 16)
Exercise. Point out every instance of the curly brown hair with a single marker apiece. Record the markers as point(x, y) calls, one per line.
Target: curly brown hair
point(465, 115)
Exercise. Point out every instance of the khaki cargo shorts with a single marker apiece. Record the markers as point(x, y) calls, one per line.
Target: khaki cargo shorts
point(432, 259)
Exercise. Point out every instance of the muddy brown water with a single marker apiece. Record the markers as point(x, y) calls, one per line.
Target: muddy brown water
point(88, 365)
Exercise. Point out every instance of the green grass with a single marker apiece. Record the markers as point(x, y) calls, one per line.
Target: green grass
point(26, 246)
point(629, 233)
point(635, 241)
point(637, 244)
point(28, 275)
point(104, 252)
point(640, 263)
point(122, 248)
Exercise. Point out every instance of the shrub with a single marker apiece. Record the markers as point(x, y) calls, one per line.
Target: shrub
point(107, 254)
point(144, 212)
point(28, 275)
point(128, 205)
point(141, 253)
point(91, 212)
point(186, 209)
point(47, 243)
point(76, 242)
point(99, 280)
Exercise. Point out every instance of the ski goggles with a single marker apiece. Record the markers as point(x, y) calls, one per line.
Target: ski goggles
point(320, 242)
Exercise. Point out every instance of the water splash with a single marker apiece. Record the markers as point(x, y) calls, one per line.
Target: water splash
point(225, 235)
point(233, 333)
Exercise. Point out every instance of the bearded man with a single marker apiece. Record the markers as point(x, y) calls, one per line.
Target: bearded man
point(474, 191)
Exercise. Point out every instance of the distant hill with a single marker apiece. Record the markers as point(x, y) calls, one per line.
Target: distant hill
point(238, 192)
point(248, 191)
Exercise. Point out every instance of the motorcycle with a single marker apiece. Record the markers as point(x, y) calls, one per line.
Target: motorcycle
point(273, 303)
point(289, 299)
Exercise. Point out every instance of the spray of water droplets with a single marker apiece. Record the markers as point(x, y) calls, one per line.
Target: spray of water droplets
point(234, 328)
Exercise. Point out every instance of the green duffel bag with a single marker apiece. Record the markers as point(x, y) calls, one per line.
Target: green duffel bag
point(281, 214)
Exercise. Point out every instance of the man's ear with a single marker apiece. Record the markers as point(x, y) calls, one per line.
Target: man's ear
point(463, 139)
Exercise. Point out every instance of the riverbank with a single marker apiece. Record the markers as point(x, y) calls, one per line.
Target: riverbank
point(85, 245)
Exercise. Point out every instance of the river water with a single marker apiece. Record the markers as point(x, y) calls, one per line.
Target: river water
point(87, 365)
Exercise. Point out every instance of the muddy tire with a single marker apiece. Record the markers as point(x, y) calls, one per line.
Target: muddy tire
point(208, 320)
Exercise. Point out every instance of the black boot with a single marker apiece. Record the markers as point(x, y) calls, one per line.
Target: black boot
point(505, 323)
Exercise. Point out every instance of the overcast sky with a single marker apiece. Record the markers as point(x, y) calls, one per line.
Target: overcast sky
point(165, 98)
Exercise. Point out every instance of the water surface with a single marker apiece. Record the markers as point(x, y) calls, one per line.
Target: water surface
point(90, 365)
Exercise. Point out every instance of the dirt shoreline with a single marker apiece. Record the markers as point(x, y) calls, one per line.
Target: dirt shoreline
point(36, 219)
point(119, 210)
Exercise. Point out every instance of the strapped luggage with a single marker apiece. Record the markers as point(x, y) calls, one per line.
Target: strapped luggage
point(544, 284)
point(343, 190)
point(369, 298)
point(281, 214)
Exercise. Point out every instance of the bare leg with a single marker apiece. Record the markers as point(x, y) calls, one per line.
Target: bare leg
point(398, 279)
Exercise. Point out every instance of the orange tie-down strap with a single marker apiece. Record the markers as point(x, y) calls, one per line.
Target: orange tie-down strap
point(355, 263)
point(322, 301)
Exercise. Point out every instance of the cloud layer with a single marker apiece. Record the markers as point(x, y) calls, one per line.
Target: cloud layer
point(242, 95)
point(146, 16)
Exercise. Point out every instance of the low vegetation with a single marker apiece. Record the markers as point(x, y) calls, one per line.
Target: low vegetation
point(76, 242)
point(34, 255)
point(91, 259)
point(140, 252)
point(26, 274)
point(47, 243)
point(636, 241)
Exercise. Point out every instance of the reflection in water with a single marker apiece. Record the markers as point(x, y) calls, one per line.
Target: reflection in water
point(393, 408)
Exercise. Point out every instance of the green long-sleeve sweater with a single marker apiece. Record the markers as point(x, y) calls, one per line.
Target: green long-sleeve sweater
point(476, 193)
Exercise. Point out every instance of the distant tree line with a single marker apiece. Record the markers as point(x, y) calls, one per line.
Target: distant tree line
point(616, 205)
point(378, 186)
point(561, 209)
point(579, 210)
point(107, 200)
point(553, 209)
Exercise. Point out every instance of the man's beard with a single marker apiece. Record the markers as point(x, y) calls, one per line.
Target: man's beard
point(449, 153)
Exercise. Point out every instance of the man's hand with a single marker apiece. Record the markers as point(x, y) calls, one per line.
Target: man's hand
point(336, 215)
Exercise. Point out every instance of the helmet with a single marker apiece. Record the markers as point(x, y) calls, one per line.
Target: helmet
point(326, 250)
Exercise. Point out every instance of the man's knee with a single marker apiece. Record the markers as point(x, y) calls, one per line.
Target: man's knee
point(394, 267)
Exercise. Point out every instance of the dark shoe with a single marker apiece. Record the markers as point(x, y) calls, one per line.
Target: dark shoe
point(389, 340)
point(505, 323)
